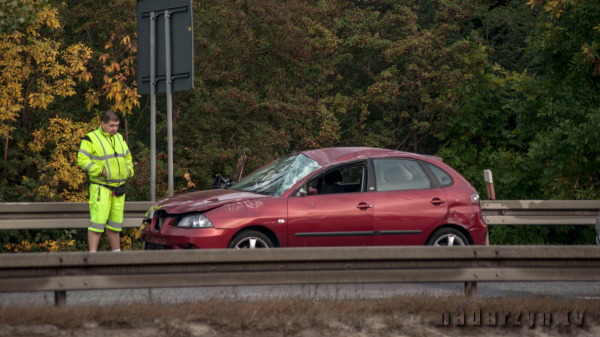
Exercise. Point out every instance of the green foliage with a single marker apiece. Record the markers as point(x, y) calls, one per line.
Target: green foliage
point(538, 133)
point(55, 240)
point(304, 75)
point(42, 241)
point(484, 84)
point(503, 27)
point(19, 13)
point(542, 235)
point(137, 186)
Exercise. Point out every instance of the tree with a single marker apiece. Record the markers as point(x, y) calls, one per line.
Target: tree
point(18, 14)
point(34, 69)
point(63, 137)
point(120, 84)
point(503, 26)
point(109, 28)
point(399, 65)
point(538, 130)
point(281, 76)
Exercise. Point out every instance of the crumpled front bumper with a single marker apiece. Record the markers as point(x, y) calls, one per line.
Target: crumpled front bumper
point(168, 237)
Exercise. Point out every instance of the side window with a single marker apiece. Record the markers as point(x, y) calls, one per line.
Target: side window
point(347, 179)
point(399, 175)
point(442, 176)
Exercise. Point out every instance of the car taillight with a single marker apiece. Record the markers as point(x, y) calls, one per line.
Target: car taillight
point(475, 198)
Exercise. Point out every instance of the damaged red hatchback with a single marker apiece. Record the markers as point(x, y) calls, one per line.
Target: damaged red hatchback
point(324, 198)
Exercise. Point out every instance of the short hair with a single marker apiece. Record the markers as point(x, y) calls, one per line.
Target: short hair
point(109, 116)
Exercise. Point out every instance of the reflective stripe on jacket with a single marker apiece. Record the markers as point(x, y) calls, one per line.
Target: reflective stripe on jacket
point(100, 150)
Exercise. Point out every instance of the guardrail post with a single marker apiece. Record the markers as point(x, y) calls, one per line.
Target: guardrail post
point(489, 184)
point(60, 298)
point(489, 187)
point(598, 229)
point(470, 289)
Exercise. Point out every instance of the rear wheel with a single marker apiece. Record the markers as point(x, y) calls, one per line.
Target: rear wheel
point(250, 240)
point(447, 237)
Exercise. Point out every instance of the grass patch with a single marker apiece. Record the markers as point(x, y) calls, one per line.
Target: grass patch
point(407, 315)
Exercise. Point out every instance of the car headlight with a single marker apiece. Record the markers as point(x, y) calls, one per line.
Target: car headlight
point(475, 198)
point(150, 214)
point(195, 221)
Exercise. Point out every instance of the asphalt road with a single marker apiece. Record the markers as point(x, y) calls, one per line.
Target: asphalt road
point(325, 291)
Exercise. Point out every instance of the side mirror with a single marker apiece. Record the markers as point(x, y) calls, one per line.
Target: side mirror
point(221, 182)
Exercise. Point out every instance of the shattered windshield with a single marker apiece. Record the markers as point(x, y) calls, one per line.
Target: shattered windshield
point(279, 176)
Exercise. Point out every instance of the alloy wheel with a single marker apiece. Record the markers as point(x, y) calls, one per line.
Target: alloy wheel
point(449, 240)
point(251, 243)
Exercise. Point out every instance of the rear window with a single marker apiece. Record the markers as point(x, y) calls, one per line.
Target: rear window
point(442, 176)
point(399, 175)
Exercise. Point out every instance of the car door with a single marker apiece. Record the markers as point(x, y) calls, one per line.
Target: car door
point(335, 212)
point(408, 202)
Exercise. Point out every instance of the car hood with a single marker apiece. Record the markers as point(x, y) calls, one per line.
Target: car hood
point(203, 200)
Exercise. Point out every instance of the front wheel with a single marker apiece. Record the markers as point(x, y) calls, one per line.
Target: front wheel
point(250, 240)
point(447, 237)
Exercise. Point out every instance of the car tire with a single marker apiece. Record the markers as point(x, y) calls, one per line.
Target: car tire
point(443, 236)
point(250, 240)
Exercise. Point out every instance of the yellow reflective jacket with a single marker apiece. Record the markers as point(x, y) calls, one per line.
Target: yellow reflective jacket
point(100, 150)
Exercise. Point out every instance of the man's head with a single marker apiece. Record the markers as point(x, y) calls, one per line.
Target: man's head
point(110, 122)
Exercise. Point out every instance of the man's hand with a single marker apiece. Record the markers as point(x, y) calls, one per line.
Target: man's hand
point(104, 172)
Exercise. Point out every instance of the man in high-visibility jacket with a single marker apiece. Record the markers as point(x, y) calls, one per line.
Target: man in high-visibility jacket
point(105, 157)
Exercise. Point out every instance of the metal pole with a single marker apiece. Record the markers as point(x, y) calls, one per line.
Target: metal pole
point(152, 106)
point(471, 289)
point(60, 298)
point(169, 99)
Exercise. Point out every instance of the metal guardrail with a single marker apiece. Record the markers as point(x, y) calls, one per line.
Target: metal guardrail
point(60, 272)
point(540, 212)
point(56, 215)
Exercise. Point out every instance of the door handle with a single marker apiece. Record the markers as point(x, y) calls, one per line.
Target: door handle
point(364, 205)
point(437, 201)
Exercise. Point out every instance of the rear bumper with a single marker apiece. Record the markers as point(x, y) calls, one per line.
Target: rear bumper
point(479, 234)
point(480, 229)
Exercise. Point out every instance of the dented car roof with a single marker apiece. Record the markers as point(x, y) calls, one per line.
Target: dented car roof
point(338, 154)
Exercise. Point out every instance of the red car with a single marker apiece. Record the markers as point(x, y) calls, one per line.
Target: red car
point(349, 196)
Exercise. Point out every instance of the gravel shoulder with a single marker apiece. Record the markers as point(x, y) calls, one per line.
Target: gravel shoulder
point(406, 315)
point(407, 326)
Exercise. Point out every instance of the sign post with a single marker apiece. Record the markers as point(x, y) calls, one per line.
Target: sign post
point(169, 99)
point(165, 65)
point(152, 106)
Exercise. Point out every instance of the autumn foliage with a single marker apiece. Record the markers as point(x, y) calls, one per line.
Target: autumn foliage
point(36, 70)
point(507, 85)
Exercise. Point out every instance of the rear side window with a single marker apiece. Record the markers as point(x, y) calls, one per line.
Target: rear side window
point(399, 175)
point(442, 176)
